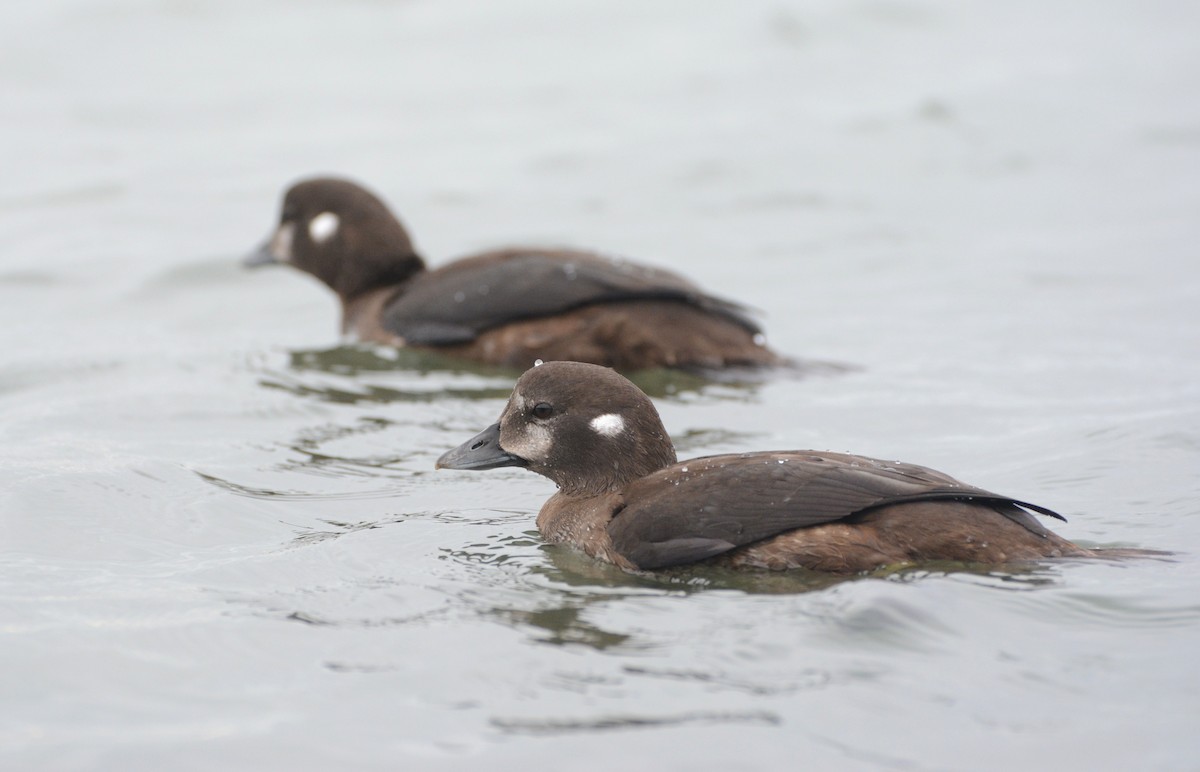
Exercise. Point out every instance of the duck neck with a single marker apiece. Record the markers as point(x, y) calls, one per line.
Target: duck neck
point(361, 318)
point(603, 478)
point(372, 274)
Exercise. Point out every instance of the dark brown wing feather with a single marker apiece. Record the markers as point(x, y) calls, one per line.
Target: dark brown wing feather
point(706, 506)
point(455, 303)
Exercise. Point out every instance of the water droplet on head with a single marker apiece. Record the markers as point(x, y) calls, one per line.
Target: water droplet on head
point(537, 363)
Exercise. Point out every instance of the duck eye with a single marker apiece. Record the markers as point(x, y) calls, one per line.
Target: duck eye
point(543, 410)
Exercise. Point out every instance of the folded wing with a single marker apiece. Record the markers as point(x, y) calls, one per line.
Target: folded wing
point(706, 506)
point(456, 303)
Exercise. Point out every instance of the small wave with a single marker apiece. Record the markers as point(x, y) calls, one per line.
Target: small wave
point(294, 495)
point(804, 680)
point(359, 393)
point(554, 726)
point(1112, 611)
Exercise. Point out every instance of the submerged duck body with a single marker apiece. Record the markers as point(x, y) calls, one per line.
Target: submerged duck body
point(623, 496)
point(505, 307)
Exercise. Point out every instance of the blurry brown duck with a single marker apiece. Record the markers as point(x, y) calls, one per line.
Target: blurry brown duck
point(624, 498)
point(505, 307)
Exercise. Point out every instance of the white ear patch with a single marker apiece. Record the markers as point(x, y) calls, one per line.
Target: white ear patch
point(323, 226)
point(608, 425)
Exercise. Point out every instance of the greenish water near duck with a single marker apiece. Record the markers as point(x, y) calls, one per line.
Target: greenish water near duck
point(222, 539)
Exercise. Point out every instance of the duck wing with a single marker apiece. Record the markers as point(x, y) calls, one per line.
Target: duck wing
point(454, 304)
point(706, 506)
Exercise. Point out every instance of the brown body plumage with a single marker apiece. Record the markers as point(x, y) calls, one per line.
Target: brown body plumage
point(623, 497)
point(505, 307)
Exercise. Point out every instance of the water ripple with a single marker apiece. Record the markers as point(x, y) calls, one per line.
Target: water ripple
point(804, 680)
point(366, 393)
point(1110, 611)
point(478, 381)
point(254, 492)
point(554, 726)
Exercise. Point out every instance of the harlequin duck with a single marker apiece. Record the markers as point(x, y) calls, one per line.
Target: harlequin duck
point(505, 307)
point(624, 498)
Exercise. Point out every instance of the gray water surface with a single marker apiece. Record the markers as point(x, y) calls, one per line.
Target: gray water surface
point(222, 541)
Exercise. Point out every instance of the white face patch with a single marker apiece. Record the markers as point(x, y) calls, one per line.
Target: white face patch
point(608, 425)
point(281, 242)
point(323, 226)
point(532, 442)
point(537, 442)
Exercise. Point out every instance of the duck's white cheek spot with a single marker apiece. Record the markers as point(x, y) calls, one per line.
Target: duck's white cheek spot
point(608, 425)
point(281, 243)
point(323, 226)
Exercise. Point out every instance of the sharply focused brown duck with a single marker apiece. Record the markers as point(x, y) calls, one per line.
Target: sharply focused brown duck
point(505, 307)
point(623, 497)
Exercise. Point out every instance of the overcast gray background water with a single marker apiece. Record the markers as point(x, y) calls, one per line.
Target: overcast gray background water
point(223, 541)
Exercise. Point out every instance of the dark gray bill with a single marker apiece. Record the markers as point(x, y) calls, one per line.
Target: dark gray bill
point(482, 451)
point(260, 256)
